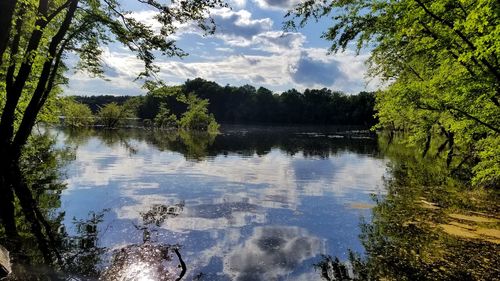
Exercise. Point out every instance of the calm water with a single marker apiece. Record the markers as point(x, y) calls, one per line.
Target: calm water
point(249, 204)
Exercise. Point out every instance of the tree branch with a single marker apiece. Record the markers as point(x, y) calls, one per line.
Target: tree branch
point(469, 116)
point(58, 10)
point(7, 8)
point(14, 93)
point(183, 264)
point(462, 36)
point(34, 105)
point(14, 49)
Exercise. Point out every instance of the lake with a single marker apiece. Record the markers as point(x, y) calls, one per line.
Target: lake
point(264, 203)
point(251, 204)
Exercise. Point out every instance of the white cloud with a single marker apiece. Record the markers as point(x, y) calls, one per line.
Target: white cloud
point(278, 59)
point(344, 71)
point(280, 70)
point(147, 17)
point(277, 4)
point(312, 72)
point(278, 41)
point(266, 70)
point(121, 69)
point(283, 68)
point(238, 3)
point(238, 28)
point(221, 49)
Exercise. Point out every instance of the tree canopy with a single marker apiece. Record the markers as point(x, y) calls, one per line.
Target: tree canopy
point(249, 105)
point(41, 33)
point(441, 60)
point(36, 37)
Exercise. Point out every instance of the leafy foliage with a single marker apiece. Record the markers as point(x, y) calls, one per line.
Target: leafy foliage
point(76, 114)
point(165, 119)
point(196, 118)
point(111, 115)
point(96, 102)
point(428, 226)
point(247, 104)
point(442, 61)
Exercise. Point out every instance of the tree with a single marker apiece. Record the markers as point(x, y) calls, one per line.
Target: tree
point(150, 104)
point(196, 118)
point(112, 115)
point(292, 102)
point(441, 59)
point(35, 37)
point(165, 119)
point(76, 114)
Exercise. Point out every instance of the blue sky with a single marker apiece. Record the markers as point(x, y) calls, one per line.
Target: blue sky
point(248, 47)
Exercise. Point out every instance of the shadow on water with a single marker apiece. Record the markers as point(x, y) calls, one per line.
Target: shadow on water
point(428, 226)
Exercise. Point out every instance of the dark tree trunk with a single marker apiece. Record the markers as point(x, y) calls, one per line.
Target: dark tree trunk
point(13, 92)
point(7, 211)
point(7, 8)
point(45, 81)
point(29, 206)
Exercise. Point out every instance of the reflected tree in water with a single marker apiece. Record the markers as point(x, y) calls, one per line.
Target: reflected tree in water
point(49, 251)
point(259, 141)
point(331, 268)
point(429, 226)
point(149, 260)
point(83, 254)
point(54, 253)
point(40, 188)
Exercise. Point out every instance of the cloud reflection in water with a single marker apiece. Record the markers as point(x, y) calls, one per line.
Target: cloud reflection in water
point(245, 215)
point(271, 252)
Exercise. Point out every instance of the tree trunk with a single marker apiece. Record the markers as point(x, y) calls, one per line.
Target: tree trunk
point(45, 81)
point(7, 211)
point(29, 206)
point(7, 8)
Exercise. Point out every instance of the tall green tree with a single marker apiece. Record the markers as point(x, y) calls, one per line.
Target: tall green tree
point(76, 114)
point(441, 61)
point(36, 36)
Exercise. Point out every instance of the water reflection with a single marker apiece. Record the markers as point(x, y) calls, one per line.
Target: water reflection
point(150, 259)
point(250, 205)
point(429, 226)
point(241, 140)
point(271, 252)
point(241, 184)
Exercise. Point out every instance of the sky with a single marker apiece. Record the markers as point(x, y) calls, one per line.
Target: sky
point(248, 47)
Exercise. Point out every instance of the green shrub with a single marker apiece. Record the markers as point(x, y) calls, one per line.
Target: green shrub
point(165, 119)
point(112, 115)
point(196, 118)
point(76, 114)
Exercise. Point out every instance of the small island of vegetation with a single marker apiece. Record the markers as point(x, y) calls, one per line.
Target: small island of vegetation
point(191, 112)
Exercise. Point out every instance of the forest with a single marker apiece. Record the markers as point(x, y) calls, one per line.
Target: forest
point(249, 105)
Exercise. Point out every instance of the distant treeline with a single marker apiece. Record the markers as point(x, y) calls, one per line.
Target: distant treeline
point(97, 102)
point(248, 105)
